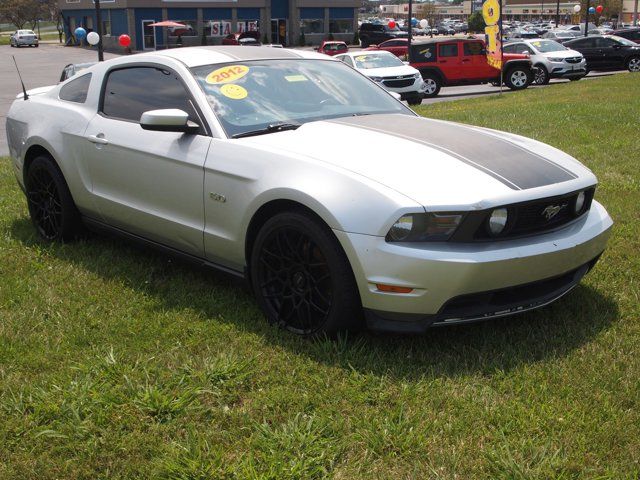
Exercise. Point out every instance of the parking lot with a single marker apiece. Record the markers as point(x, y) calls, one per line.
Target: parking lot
point(42, 66)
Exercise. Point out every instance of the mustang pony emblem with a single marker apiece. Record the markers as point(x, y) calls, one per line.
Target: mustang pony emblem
point(552, 210)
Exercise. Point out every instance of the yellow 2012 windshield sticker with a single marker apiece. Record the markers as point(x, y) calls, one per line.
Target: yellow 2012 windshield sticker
point(234, 92)
point(227, 74)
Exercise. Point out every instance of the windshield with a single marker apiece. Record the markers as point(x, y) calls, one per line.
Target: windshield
point(623, 41)
point(546, 46)
point(248, 96)
point(377, 60)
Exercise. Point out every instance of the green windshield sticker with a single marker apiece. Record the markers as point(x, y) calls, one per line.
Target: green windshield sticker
point(296, 78)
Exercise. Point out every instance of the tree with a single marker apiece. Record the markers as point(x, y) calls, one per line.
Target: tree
point(428, 11)
point(476, 22)
point(54, 14)
point(22, 12)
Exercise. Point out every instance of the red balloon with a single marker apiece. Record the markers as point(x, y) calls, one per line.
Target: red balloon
point(392, 24)
point(124, 40)
point(599, 8)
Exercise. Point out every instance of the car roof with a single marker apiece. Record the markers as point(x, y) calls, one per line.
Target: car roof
point(441, 39)
point(197, 56)
point(367, 52)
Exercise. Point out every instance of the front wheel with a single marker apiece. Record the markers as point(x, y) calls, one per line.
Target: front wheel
point(517, 78)
point(51, 206)
point(413, 101)
point(364, 42)
point(301, 277)
point(540, 75)
point(432, 85)
point(633, 64)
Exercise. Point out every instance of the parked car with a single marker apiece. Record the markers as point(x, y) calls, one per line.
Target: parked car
point(600, 31)
point(607, 52)
point(23, 38)
point(463, 61)
point(332, 48)
point(550, 60)
point(522, 34)
point(292, 170)
point(445, 30)
point(388, 71)
point(632, 34)
point(72, 68)
point(398, 46)
point(561, 35)
point(376, 33)
point(247, 39)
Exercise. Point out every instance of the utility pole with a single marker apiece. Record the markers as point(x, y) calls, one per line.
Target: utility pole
point(635, 13)
point(410, 32)
point(586, 18)
point(557, 12)
point(99, 21)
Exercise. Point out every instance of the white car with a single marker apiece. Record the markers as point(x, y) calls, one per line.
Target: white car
point(25, 38)
point(550, 59)
point(298, 173)
point(389, 71)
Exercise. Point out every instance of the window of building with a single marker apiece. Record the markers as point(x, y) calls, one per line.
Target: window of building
point(312, 25)
point(106, 22)
point(76, 90)
point(132, 91)
point(248, 26)
point(218, 28)
point(189, 30)
point(341, 25)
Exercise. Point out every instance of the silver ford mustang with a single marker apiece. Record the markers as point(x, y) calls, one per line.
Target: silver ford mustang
point(293, 170)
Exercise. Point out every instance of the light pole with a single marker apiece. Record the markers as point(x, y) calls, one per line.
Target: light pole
point(586, 18)
point(410, 32)
point(557, 12)
point(99, 21)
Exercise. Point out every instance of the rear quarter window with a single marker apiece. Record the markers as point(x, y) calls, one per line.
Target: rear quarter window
point(76, 90)
point(423, 53)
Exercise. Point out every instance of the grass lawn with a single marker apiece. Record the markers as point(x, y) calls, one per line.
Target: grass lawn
point(119, 363)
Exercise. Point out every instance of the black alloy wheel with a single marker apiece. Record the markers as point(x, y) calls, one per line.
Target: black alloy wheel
point(540, 75)
point(51, 207)
point(302, 278)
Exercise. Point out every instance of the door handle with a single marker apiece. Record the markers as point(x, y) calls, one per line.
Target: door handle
point(98, 140)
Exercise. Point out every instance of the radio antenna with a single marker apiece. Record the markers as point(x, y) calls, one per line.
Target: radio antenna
point(24, 90)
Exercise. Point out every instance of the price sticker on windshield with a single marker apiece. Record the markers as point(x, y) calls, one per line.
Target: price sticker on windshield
point(234, 92)
point(361, 58)
point(228, 74)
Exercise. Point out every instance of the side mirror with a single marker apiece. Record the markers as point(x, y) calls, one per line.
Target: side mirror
point(396, 95)
point(168, 120)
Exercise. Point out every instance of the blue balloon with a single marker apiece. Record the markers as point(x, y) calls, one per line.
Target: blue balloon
point(592, 10)
point(80, 33)
point(414, 22)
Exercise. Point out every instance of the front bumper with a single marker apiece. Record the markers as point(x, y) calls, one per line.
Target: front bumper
point(416, 88)
point(447, 278)
point(568, 70)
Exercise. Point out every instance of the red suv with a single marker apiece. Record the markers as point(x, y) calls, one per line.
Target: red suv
point(463, 61)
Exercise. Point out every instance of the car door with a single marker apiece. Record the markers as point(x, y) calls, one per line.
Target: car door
point(587, 46)
point(149, 183)
point(474, 61)
point(449, 61)
point(613, 53)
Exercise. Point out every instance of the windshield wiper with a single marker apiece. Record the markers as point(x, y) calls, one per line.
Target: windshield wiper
point(276, 127)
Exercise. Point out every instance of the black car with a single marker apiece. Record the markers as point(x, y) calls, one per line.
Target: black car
point(607, 52)
point(632, 34)
point(375, 33)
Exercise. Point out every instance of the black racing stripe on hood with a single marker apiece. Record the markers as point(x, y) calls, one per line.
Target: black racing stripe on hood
point(516, 167)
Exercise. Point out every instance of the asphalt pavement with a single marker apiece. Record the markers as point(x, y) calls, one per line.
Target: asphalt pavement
point(42, 66)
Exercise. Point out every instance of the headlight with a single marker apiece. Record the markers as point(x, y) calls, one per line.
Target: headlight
point(579, 205)
point(498, 221)
point(424, 227)
point(557, 60)
point(417, 75)
point(376, 79)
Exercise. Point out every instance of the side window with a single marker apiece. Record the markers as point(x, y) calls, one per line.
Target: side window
point(76, 90)
point(472, 48)
point(448, 50)
point(347, 59)
point(605, 42)
point(585, 43)
point(132, 91)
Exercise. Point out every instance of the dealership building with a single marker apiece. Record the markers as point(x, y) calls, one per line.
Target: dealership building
point(278, 21)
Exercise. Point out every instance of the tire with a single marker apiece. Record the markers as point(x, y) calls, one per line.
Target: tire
point(540, 75)
point(633, 64)
point(517, 78)
point(574, 79)
point(433, 84)
point(37, 45)
point(51, 207)
point(413, 101)
point(301, 277)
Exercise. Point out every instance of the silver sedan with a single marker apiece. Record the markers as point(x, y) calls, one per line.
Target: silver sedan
point(26, 38)
point(339, 204)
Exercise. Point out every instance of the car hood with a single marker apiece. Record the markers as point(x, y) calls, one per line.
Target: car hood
point(388, 71)
point(562, 54)
point(440, 165)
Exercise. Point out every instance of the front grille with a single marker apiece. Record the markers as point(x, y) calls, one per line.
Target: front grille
point(394, 82)
point(527, 218)
point(573, 59)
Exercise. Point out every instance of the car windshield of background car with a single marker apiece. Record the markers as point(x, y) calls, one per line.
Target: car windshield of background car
point(247, 96)
point(377, 61)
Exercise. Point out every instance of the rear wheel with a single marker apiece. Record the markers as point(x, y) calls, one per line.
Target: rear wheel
point(633, 64)
point(301, 277)
point(413, 101)
point(517, 78)
point(51, 207)
point(432, 85)
point(364, 42)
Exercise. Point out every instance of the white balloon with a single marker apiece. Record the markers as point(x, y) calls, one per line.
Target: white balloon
point(576, 8)
point(424, 23)
point(93, 38)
